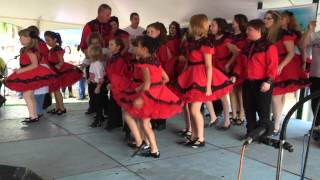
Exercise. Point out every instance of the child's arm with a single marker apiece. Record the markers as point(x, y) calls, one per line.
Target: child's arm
point(34, 64)
point(165, 77)
point(61, 61)
point(146, 80)
point(208, 64)
point(235, 51)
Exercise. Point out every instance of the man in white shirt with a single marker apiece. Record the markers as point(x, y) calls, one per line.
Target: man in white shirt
point(311, 39)
point(134, 29)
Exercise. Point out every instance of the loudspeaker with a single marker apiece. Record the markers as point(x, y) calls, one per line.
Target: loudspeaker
point(260, 4)
point(17, 173)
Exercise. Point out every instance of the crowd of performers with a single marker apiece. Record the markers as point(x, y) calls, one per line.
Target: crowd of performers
point(139, 79)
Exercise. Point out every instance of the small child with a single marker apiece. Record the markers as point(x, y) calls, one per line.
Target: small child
point(96, 81)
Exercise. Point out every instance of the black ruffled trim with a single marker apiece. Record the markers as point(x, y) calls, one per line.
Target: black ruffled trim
point(260, 45)
point(24, 65)
point(154, 99)
point(190, 63)
point(120, 31)
point(151, 61)
point(114, 58)
point(201, 88)
point(140, 81)
point(25, 50)
point(197, 44)
point(36, 78)
point(238, 37)
point(299, 82)
point(56, 48)
point(216, 42)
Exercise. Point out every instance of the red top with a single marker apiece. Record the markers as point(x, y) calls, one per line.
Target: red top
point(154, 68)
point(95, 26)
point(287, 36)
point(44, 51)
point(174, 46)
point(258, 61)
point(222, 52)
point(240, 40)
point(196, 53)
point(162, 54)
point(24, 59)
point(116, 65)
point(53, 56)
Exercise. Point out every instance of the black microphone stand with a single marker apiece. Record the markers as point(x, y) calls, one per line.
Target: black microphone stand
point(283, 145)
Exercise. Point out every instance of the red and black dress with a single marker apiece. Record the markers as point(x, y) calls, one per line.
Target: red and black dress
point(173, 45)
point(44, 51)
point(192, 82)
point(222, 53)
point(159, 102)
point(68, 74)
point(292, 76)
point(30, 80)
point(239, 40)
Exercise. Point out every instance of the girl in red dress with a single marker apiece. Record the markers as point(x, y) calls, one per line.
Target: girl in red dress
point(147, 95)
point(200, 81)
point(67, 73)
point(174, 43)
point(158, 31)
point(30, 76)
point(239, 39)
point(224, 58)
point(291, 75)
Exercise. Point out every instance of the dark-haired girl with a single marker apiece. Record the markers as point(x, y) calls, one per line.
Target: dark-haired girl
point(239, 39)
point(30, 76)
point(259, 62)
point(148, 97)
point(67, 73)
point(223, 59)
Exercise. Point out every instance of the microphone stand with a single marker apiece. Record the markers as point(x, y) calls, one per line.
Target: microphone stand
point(282, 140)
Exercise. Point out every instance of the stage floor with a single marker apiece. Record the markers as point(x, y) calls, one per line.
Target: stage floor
point(66, 148)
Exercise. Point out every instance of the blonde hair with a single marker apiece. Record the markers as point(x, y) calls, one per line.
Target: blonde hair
point(95, 53)
point(33, 45)
point(199, 25)
point(95, 35)
point(273, 31)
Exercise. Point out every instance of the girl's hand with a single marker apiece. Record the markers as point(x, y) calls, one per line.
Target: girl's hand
point(265, 87)
point(233, 79)
point(97, 90)
point(108, 87)
point(138, 103)
point(280, 68)
point(208, 91)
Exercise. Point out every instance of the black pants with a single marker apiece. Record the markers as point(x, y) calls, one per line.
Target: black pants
point(98, 101)
point(69, 89)
point(91, 88)
point(315, 86)
point(255, 101)
point(114, 114)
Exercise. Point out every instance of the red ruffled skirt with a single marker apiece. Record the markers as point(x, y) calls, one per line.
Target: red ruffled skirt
point(291, 78)
point(159, 102)
point(68, 74)
point(31, 80)
point(191, 84)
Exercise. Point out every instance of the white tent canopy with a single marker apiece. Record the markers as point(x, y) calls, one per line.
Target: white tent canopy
point(62, 14)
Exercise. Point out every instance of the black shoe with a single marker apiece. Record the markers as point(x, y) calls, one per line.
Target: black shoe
point(197, 144)
point(2, 100)
point(60, 112)
point(95, 124)
point(52, 111)
point(89, 111)
point(210, 124)
point(29, 120)
point(138, 149)
point(150, 154)
point(40, 116)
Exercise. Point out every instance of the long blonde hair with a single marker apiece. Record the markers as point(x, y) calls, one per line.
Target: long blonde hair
point(33, 45)
point(273, 32)
point(199, 25)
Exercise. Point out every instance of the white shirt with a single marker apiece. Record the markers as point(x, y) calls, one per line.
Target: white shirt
point(315, 63)
point(96, 72)
point(134, 32)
